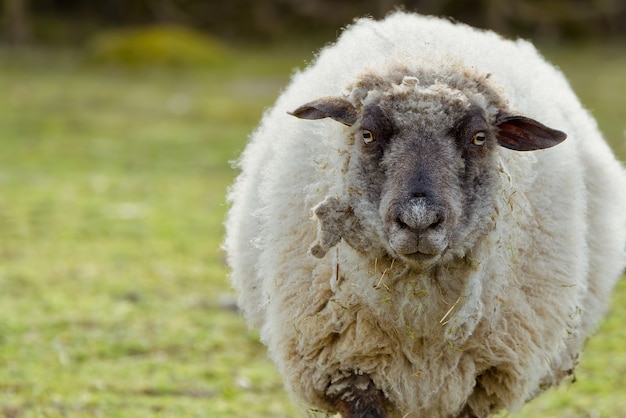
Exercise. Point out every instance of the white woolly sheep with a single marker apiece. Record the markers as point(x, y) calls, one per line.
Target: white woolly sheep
point(419, 258)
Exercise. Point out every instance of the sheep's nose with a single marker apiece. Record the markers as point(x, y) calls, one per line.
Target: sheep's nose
point(418, 227)
point(419, 215)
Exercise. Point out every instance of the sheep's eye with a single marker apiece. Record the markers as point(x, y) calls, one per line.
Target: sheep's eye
point(479, 139)
point(368, 137)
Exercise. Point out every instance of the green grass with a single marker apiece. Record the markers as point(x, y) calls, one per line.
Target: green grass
point(111, 206)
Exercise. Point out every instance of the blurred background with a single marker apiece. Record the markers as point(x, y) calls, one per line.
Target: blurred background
point(119, 120)
point(54, 21)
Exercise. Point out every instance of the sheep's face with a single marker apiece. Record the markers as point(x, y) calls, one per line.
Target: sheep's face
point(423, 177)
point(423, 160)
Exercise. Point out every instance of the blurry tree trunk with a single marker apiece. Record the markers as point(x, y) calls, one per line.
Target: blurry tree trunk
point(17, 28)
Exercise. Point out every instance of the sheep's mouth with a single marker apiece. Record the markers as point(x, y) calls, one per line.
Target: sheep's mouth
point(421, 249)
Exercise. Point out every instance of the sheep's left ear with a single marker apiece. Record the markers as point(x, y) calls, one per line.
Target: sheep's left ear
point(335, 108)
point(525, 134)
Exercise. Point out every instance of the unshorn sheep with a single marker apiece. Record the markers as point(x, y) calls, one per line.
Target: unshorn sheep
point(428, 244)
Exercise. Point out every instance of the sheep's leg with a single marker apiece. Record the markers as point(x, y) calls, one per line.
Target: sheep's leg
point(358, 397)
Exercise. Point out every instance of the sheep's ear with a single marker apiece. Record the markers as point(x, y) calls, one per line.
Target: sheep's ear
point(335, 108)
point(525, 134)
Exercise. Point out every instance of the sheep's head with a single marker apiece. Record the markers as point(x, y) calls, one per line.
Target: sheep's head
point(423, 177)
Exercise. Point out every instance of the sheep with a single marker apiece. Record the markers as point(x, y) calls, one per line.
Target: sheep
point(411, 231)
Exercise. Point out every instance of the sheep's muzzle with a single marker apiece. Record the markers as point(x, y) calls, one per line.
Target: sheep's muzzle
point(416, 230)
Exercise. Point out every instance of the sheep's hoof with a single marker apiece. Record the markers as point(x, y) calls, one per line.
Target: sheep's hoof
point(359, 398)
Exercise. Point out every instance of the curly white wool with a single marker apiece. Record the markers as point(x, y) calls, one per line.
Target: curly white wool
point(517, 316)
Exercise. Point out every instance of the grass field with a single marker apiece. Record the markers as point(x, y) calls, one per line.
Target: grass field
point(112, 283)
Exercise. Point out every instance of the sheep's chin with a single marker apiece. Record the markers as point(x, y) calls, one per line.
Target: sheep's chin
point(419, 261)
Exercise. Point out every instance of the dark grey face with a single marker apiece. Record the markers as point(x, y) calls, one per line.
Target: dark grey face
point(423, 177)
point(432, 185)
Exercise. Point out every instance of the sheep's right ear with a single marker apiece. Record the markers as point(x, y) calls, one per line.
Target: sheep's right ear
point(335, 108)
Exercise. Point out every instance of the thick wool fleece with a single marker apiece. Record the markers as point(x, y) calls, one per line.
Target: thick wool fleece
point(486, 330)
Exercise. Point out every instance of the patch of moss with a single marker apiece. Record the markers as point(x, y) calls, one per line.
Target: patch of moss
point(158, 45)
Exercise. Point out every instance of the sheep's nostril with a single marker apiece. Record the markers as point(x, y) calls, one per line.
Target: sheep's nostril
point(401, 224)
point(439, 220)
